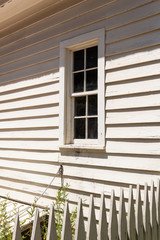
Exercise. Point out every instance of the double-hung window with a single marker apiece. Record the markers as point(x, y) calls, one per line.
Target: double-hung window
point(82, 91)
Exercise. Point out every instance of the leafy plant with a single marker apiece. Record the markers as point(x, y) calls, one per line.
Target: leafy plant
point(44, 224)
point(5, 221)
point(27, 234)
point(59, 208)
point(59, 204)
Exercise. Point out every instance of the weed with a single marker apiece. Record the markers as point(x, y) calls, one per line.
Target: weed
point(6, 221)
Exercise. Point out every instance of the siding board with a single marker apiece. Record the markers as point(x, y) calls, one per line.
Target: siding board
point(32, 70)
point(29, 99)
point(135, 43)
point(145, 70)
point(130, 59)
point(29, 155)
point(35, 145)
point(133, 87)
point(30, 123)
point(40, 100)
point(28, 82)
point(29, 113)
point(29, 134)
point(109, 177)
point(41, 57)
point(134, 117)
point(113, 161)
point(131, 147)
point(133, 29)
point(150, 100)
point(134, 132)
point(50, 88)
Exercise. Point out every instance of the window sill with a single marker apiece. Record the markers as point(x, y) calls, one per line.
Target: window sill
point(73, 147)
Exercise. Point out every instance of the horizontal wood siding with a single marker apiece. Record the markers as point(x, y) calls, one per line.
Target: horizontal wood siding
point(29, 102)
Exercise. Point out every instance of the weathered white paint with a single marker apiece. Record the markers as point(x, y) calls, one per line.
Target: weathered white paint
point(29, 101)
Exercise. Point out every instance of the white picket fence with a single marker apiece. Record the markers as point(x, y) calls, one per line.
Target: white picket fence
point(141, 222)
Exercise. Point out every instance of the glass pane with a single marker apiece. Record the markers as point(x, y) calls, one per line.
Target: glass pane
point(78, 60)
point(92, 105)
point(80, 106)
point(92, 57)
point(79, 128)
point(92, 128)
point(91, 80)
point(78, 82)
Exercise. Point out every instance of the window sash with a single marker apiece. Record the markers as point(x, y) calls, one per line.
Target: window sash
point(89, 39)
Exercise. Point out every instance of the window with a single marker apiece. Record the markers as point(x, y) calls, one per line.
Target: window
point(82, 91)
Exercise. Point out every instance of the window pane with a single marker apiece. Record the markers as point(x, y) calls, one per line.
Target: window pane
point(79, 128)
point(92, 105)
point(92, 128)
point(80, 106)
point(78, 82)
point(91, 80)
point(92, 57)
point(78, 60)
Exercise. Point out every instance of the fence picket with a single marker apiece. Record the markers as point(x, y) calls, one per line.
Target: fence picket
point(139, 217)
point(131, 216)
point(145, 225)
point(153, 213)
point(80, 231)
point(51, 234)
point(113, 223)
point(158, 208)
point(92, 230)
point(146, 214)
point(122, 218)
point(66, 229)
point(36, 231)
point(103, 226)
point(17, 230)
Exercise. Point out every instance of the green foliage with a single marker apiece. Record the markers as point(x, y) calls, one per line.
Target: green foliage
point(7, 219)
point(73, 220)
point(5, 222)
point(27, 234)
point(59, 208)
point(44, 223)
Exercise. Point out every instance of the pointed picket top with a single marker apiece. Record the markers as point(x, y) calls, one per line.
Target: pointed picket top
point(66, 229)
point(153, 213)
point(92, 231)
point(51, 234)
point(36, 231)
point(80, 230)
point(146, 214)
point(131, 216)
point(113, 223)
point(122, 218)
point(139, 216)
point(17, 230)
point(103, 226)
point(158, 207)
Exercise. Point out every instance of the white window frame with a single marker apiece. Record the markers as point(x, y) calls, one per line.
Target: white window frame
point(67, 47)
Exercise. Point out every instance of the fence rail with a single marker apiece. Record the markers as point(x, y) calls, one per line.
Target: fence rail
point(140, 222)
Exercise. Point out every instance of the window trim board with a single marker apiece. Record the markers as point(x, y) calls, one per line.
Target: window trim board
point(65, 120)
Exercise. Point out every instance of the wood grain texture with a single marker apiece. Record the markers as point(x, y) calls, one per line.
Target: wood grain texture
point(29, 103)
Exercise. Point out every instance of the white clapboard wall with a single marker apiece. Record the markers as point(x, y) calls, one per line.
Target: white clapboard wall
point(29, 102)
